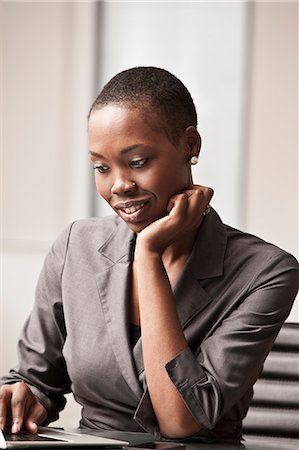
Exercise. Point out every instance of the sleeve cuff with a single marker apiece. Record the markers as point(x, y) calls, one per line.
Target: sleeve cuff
point(184, 370)
point(198, 390)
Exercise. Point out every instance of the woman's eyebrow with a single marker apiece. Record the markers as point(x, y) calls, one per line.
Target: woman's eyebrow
point(123, 151)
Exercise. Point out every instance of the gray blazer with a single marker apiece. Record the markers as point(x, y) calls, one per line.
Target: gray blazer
point(232, 298)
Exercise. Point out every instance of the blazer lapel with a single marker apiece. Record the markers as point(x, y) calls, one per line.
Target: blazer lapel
point(114, 289)
point(205, 262)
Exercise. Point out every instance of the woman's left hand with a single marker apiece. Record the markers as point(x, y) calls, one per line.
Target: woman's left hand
point(186, 212)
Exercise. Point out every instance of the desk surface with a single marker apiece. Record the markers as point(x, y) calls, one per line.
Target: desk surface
point(193, 444)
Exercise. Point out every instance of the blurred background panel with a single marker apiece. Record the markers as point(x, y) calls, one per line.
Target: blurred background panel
point(238, 59)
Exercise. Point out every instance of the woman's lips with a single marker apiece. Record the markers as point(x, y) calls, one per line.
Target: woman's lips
point(132, 211)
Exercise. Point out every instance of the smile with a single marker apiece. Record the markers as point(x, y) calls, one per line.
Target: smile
point(132, 209)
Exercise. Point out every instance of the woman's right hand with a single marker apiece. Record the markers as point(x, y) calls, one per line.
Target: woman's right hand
point(20, 407)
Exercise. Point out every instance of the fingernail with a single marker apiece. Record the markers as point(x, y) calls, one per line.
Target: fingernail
point(15, 426)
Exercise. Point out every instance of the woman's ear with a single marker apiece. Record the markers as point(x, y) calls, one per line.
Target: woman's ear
point(192, 142)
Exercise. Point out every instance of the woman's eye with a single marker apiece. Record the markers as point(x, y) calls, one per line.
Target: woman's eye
point(138, 163)
point(101, 169)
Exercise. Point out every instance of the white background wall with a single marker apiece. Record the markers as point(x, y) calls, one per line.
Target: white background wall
point(271, 157)
point(240, 62)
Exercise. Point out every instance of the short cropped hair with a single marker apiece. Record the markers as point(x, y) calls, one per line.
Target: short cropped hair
point(151, 90)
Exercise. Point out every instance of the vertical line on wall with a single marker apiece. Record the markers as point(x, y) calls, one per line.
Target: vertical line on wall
point(244, 132)
point(97, 84)
point(1, 192)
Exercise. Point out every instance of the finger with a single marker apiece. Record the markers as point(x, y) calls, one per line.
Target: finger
point(35, 417)
point(31, 426)
point(198, 202)
point(176, 200)
point(210, 193)
point(18, 405)
point(196, 188)
point(200, 198)
point(180, 205)
point(5, 398)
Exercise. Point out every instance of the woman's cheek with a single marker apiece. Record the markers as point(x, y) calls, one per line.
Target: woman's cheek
point(97, 183)
point(100, 188)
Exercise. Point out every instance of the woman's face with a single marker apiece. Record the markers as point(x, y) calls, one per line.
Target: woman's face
point(137, 167)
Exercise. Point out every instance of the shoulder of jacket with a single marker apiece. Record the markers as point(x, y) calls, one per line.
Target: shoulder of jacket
point(92, 230)
point(255, 247)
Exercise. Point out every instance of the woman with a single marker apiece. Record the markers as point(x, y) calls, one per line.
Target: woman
point(208, 300)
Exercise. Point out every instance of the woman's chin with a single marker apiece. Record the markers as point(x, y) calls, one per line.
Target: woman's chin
point(138, 226)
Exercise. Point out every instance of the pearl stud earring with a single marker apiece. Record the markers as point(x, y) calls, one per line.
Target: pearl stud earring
point(194, 160)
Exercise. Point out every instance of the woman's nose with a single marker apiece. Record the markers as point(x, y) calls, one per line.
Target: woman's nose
point(122, 186)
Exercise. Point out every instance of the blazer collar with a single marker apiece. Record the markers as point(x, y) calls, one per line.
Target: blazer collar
point(207, 257)
point(119, 246)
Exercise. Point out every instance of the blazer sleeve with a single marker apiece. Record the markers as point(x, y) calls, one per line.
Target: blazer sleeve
point(41, 363)
point(226, 364)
